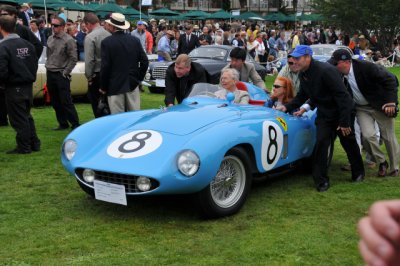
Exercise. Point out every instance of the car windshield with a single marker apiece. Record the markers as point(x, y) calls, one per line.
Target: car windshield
point(324, 51)
point(207, 52)
point(204, 90)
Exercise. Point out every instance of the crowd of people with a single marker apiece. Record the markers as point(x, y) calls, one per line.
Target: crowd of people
point(348, 93)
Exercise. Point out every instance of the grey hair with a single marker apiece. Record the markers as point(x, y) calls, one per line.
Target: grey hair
point(234, 73)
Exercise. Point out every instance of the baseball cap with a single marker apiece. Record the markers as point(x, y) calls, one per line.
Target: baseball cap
point(140, 22)
point(301, 50)
point(338, 55)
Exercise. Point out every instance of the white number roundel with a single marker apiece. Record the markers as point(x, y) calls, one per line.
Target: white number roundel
point(135, 144)
point(271, 147)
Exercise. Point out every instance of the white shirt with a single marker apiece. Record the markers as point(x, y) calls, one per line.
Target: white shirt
point(357, 95)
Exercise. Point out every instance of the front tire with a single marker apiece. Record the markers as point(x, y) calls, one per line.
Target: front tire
point(227, 192)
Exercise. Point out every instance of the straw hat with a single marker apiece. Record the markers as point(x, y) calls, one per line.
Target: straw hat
point(118, 21)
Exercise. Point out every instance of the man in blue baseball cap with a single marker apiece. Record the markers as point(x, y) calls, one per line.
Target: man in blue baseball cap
point(322, 85)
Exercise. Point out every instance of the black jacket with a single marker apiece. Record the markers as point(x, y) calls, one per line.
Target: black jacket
point(376, 84)
point(180, 88)
point(123, 63)
point(26, 34)
point(18, 62)
point(184, 47)
point(323, 85)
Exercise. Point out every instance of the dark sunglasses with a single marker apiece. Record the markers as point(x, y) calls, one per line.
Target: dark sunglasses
point(55, 25)
point(290, 63)
point(277, 86)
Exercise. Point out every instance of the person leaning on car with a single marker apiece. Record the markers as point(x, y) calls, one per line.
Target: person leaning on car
point(374, 90)
point(61, 59)
point(18, 67)
point(92, 49)
point(247, 70)
point(180, 77)
point(322, 84)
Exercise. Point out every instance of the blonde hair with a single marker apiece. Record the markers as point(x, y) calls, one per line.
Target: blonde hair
point(183, 58)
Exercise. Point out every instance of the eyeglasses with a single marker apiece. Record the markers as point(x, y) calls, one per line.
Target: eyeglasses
point(278, 86)
point(55, 25)
point(290, 63)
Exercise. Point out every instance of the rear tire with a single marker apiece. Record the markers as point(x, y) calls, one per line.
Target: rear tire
point(228, 191)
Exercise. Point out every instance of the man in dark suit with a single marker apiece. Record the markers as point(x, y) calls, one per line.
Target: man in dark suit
point(188, 41)
point(374, 91)
point(323, 85)
point(123, 66)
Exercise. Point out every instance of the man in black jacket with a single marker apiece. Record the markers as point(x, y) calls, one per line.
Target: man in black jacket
point(323, 85)
point(180, 77)
point(26, 34)
point(18, 66)
point(123, 66)
point(374, 91)
point(188, 41)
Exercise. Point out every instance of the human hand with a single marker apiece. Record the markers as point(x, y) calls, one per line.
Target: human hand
point(345, 130)
point(281, 108)
point(300, 112)
point(102, 92)
point(380, 234)
point(389, 109)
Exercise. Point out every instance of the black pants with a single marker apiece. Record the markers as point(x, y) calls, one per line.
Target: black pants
point(61, 99)
point(19, 103)
point(326, 135)
point(3, 108)
point(94, 94)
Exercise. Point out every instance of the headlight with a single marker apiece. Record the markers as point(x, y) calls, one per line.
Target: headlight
point(147, 76)
point(143, 183)
point(188, 162)
point(69, 149)
point(88, 175)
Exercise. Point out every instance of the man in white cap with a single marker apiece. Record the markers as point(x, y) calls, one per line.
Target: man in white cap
point(140, 33)
point(123, 66)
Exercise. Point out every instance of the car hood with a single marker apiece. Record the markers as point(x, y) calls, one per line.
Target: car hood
point(184, 119)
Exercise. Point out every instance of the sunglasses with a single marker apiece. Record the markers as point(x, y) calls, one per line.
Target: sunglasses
point(55, 25)
point(278, 86)
point(290, 63)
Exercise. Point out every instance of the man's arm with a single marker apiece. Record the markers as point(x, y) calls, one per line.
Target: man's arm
point(143, 64)
point(90, 48)
point(170, 87)
point(3, 65)
point(255, 77)
point(72, 55)
point(105, 67)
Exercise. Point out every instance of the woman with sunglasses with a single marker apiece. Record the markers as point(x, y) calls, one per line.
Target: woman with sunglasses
point(282, 92)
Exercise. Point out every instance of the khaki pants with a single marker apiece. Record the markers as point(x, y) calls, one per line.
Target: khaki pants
point(366, 117)
point(124, 102)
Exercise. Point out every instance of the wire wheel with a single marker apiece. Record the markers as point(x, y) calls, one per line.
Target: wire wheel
point(229, 183)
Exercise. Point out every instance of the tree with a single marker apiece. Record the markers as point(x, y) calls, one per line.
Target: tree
point(365, 16)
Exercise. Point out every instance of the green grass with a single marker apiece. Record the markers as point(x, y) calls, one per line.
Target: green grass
point(45, 218)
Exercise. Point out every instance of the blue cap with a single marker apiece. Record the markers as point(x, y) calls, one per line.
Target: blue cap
point(140, 22)
point(301, 50)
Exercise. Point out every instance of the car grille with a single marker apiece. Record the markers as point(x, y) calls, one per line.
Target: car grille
point(129, 181)
point(159, 72)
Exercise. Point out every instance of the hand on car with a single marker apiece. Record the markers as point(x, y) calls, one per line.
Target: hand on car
point(281, 108)
point(299, 112)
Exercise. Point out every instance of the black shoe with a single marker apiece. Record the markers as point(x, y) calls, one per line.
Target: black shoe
point(359, 178)
point(18, 151)
point(323, 187)
point(60, 128)
point(35, 147)
point(383, 169)
point(75, 126)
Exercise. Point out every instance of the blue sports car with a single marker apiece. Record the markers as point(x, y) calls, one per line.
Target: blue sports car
point(207, 146)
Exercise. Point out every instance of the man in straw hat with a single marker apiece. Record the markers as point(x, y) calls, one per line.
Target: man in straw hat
point(164, 47)
point(123, 66)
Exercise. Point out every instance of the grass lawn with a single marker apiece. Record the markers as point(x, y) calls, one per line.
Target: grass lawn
point(46, 219)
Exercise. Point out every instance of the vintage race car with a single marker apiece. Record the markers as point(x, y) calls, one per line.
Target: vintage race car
point(207, 146)
point(212, 57)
